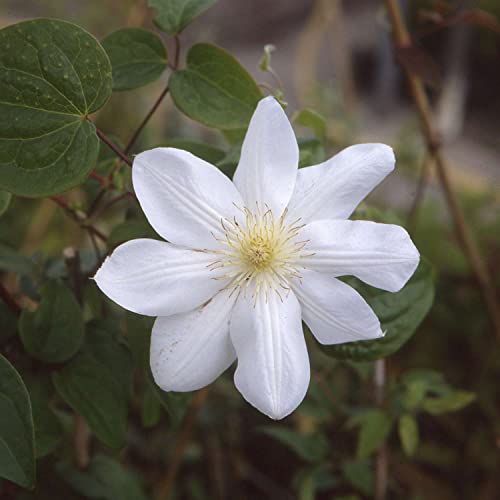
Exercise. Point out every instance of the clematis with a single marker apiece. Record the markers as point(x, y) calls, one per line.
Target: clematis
point(245, 262)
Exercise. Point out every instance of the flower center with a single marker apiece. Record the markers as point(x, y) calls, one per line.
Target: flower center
point(260, 251)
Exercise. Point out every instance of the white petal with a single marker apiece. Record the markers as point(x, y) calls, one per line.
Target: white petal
point(189, 351)
point(273, 364)
point(269, 159)
point(381, 255)
point(156, 278)
point(334, 311)
point(333, 189)
point(183, 197)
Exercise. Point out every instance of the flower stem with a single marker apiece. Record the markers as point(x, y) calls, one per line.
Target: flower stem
point(421, 102)
point(193, 411)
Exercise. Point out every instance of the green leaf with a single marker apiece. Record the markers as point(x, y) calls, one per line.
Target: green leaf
point(309, 447)
point(130, 230)
point(400, 314)
point(48, 429)
point(54, 332)
point(5, 199)
point(408, 433)
point(8, 322)
point(313, 120)
point(375, 426)
point(360, 475)
point(174, 15)
point(453, 401)
point(215, 89)
point(137, 56)
point(12, 261)
point(52, 75)
point(201, 150)
point(97, 383)
point(311, 152)
point(151, 407)
point(104, 479)
point(17, 435)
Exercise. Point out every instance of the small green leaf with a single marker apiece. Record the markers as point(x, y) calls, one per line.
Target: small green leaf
point(201, 150)
point(408, 433)
point(5, 199)
point(104, 479)
point(453, 401)
point(137, 56)
point(215, 89)
point(309, 447)
point(54, 332)
point(53, 74)
point(97, 383)
point(313, 120)
point(400, 314)
point(151, 407)
point(360, 475)
point(375, 426)
point(17, 435)
point(174, 15)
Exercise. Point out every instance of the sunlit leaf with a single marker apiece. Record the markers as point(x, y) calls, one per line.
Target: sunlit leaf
point(375, 426)
point(408, 433)
point(53, 74)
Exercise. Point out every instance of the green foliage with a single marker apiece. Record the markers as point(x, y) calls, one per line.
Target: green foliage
point(5, 199)
point(104, 479)
point(375, 425)
point(54, 332)
point(309, 447)
point(8, 322)
point(400, 314)
point(204, 151)
point(174, 15)
point(215, 89)
point(130, 229)
point(313, 120)
point(452, 401)
point(137, 56)
point(52, 75)
point(97, 383)
point(13, 261)
point(360, 475)
point(311, 152)
point(408, 433)
point(48, 429)
point(17, 438)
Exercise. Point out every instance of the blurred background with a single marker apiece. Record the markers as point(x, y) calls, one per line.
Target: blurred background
point(335, 57)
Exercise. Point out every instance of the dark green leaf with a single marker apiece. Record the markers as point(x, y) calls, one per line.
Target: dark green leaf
point(201, 150)
point(130, 230)
point(137, 56)
point(8, 322)
point(17, 436)
point(12, 261)
point(54, 332)
point(174, 15)
point(215, 89)
point(52, 75)
point(105, 479)
point(400, 314)
point(151, 407)
point(408, 433)
point(5, 199)
point(360, 475)
point(97, 383)
point(310, 447)
point(375, 426)
point(48, 429)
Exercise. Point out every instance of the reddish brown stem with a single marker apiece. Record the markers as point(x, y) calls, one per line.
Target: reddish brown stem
point(113, 147)
point(180, 447)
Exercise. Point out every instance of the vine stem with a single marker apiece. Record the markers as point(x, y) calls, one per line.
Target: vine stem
point(180, 447)
point(113, 147)
point(402, 40)
point(381, 462)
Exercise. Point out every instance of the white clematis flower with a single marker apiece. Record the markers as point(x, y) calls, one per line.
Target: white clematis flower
point(247, 261)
